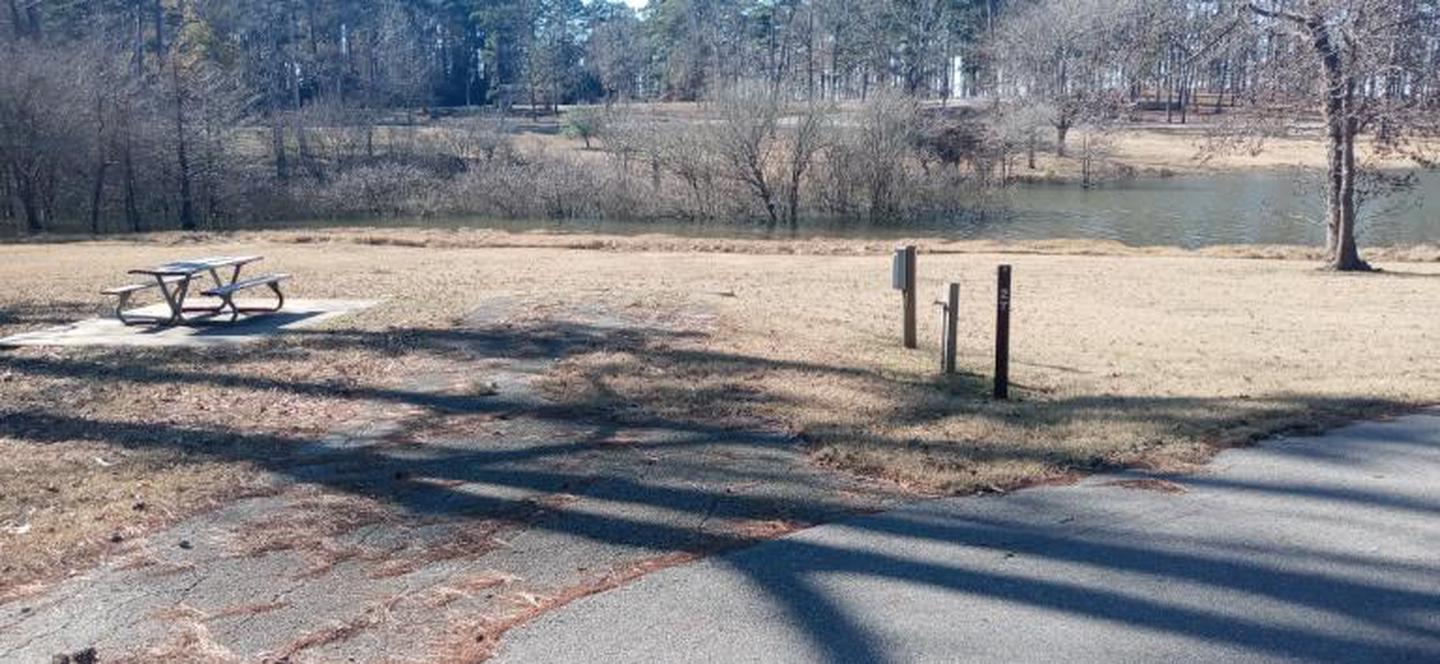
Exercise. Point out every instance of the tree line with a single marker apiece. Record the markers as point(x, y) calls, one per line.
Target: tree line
point(129, 114)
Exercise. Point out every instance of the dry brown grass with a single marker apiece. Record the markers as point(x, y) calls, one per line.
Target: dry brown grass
point(1123, 356)
point(189, 641)
point(1151, 150)
point(482, 238)
point(1149, 147)
point(463, 539)
point(372, 615)
point(1149, 484)
point(1119, 360)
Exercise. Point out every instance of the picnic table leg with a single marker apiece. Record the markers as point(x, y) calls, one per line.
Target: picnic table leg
point(225, 302)
point(279, 303)
point(175, 299)
point(279, 296)
point(221, 283)
point(124, 300)
point(228, 300)
point(182, 291)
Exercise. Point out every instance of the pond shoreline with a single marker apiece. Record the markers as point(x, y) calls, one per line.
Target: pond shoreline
point(1274, 207)
point(661, 242)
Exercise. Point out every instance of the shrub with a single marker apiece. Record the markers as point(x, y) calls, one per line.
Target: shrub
point(585, 123)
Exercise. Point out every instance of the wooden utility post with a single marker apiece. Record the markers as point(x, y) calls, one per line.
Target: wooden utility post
point(1002, 334)
point(952, 329)
point(903, 279)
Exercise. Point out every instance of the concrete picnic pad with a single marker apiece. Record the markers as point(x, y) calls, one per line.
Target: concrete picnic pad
point(1301, 549)
point(107, 331)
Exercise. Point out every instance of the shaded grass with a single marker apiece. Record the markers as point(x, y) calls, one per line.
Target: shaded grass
point(1118, 361)
point(1123, 356)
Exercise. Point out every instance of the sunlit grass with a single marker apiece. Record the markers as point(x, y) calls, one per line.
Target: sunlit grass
point(1150, 356)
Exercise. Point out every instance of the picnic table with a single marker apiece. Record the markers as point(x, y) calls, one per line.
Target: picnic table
point(174, 282)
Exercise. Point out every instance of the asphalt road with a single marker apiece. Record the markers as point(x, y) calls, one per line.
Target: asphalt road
point(1302, 549)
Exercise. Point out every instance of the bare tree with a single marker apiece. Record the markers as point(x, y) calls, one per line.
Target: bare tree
point(1095, 148)
point(1363, 62)
point(813, 125)
point(38, 140)
point(878, 150)
point(746, 117)
point(1018, 128)
point(1062, 54)
point(669, 148)
point(614, 50)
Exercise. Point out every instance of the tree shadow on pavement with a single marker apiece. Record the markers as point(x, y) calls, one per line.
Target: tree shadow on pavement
point(470, 480)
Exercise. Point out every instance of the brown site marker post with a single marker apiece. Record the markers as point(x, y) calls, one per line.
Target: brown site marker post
point(1002, 334)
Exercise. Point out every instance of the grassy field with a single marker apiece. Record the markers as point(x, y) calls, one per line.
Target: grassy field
point(1155, 357)
point(1149, 147)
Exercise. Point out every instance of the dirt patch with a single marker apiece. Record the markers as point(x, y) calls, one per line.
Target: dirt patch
point(366, 619)
point(308, 523)
point(479, 642)
point(250, 609)
point(760, 530)
point(190, 642)
point(1149, 484)
point(459, 540)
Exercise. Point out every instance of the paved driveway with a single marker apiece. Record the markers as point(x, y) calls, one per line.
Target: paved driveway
point(1303, 549)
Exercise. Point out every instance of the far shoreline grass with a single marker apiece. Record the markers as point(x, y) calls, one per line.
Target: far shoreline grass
point(1152, 357)
point(479, 236)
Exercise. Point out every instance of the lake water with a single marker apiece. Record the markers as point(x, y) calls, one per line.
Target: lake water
point(1261, 208)
point(1254, 208)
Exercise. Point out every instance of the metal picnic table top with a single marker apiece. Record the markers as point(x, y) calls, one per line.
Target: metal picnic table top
point(193, 266)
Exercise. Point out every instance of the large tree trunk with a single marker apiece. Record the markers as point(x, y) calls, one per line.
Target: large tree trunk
point(1335, 174)
point(1345, 254)
point(1341, 129)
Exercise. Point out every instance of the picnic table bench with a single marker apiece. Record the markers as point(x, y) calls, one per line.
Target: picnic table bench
point(174, 281)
